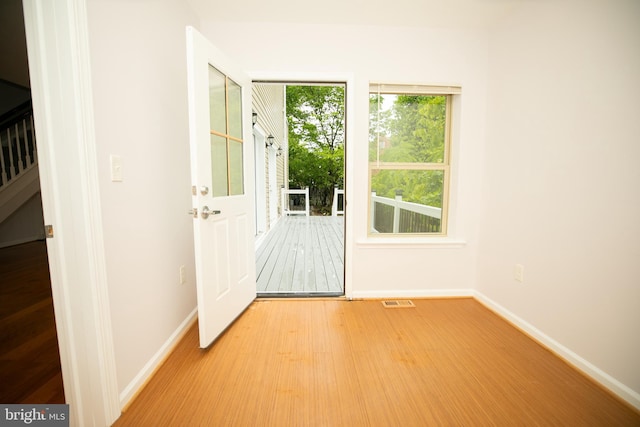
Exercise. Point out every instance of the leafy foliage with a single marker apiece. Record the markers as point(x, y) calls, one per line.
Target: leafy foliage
point(315, 115)
point(407, 129)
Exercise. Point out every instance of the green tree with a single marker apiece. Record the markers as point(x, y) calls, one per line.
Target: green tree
point(315, 115)
point(408, 129)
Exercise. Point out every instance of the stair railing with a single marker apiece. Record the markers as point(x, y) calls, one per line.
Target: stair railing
point(18, 142)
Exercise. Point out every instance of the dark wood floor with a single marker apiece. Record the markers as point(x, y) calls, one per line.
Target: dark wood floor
point(338, 363)
point(29, 357)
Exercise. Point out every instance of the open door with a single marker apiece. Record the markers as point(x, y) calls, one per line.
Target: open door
point(222, 178)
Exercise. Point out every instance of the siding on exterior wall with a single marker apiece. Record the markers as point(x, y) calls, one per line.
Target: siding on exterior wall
point(269, 103)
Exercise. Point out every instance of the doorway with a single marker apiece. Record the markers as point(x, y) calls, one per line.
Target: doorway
point(30, 357)
point(302, 176)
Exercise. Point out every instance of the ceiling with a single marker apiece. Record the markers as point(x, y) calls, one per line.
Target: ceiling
point(398, 13)
point(403, 13)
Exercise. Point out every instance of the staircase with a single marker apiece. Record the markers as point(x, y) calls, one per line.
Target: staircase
point(19, 180)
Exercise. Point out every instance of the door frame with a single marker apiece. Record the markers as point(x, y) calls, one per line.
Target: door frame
point(349, 81)
point(260, 184)
point(59, 67)
point(273, 186)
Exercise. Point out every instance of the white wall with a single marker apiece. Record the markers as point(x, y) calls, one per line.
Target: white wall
point(561, 192)
point(138, 59)
point(562, 84)
point(405, 55)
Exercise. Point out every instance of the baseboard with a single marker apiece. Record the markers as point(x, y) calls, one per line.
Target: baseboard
point(414, 293)
point(607, 381)
point(138, 383)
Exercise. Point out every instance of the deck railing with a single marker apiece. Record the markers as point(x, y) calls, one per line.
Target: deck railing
point(293, 205)
point(337, 207)
point(18, 142)
point(398, 216)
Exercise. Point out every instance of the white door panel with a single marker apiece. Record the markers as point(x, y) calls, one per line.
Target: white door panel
point(222, 175)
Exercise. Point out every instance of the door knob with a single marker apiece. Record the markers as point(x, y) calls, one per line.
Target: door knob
point(206, 212)
point(193, 212)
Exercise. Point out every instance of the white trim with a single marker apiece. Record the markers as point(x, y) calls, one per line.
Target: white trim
point(59, 68)
point(272, 197)
point(349, 172)
point(260, 178)
point(447, 89)
point(414, 293)
point(149, 369)
point(621, 390)
point(416, 242)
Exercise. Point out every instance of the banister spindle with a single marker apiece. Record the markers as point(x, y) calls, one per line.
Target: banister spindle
point(19, 150)
point(33, 139)
point(4, 176)
point(27, 155)
point(12, 171)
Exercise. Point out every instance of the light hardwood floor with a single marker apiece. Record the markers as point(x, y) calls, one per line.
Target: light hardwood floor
point(302, 254)
point(447, 362)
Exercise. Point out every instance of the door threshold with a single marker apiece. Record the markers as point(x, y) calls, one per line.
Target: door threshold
point(300, 295)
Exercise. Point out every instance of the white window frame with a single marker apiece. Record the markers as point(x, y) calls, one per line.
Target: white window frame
point(402, 89)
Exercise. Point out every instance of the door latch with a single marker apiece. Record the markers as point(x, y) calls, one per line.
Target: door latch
point(206, 212)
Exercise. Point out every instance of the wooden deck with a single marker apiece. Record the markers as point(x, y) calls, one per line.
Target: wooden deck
point(302, 255)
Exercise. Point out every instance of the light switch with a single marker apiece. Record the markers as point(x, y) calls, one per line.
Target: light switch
point(518, 273)
point(116, 168)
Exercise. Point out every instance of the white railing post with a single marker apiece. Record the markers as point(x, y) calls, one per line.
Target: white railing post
point(396, 212)
point(398, 204)
point(285, 201)
point(334, 205)
point(306, 200)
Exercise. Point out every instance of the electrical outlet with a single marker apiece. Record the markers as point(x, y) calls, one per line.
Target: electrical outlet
point(518, 273)
point(183, 275)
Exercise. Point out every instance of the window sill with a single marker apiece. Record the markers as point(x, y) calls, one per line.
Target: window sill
point(411, 242)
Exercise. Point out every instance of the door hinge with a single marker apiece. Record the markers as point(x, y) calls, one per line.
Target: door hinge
point(48, 231)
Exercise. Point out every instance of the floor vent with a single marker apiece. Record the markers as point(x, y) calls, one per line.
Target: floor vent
point(404, 303)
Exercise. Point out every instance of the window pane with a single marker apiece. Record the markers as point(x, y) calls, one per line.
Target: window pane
point(406, 201)
point(219, 178)
point(235, 110)
point(407, 128)
point(235, 163)
point(217, 101)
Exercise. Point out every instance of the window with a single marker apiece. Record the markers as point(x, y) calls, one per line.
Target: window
point(409, 158)
point(225, 122)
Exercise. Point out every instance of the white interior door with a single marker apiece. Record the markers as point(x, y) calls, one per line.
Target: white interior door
point(222, 178)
